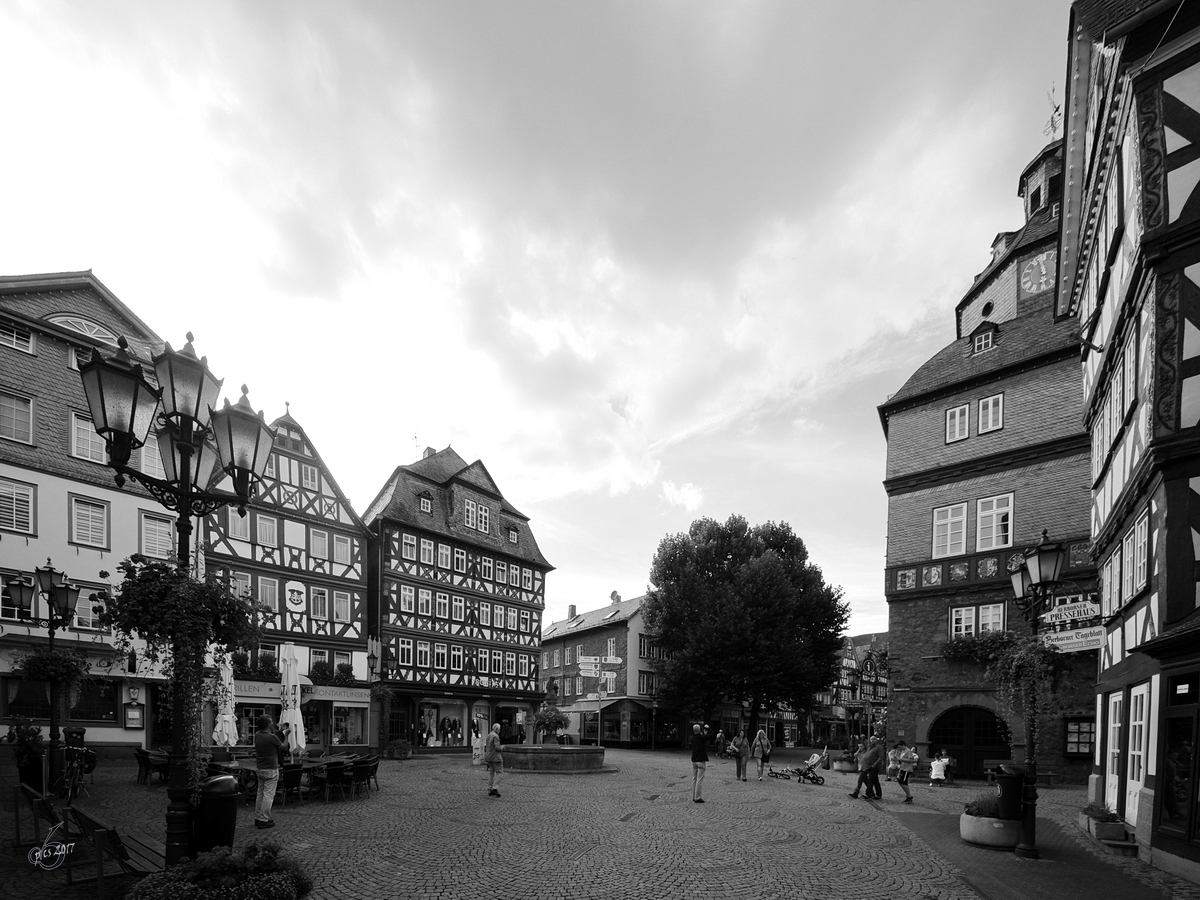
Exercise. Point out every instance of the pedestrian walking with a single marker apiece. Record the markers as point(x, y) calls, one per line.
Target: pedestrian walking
point(720, 743)
point(907, 758)
point(699, 761)
point(860, 760)
point(741, 754)
point(761, 751)
point(269, 752)
point(870, 758)
point(493, 759)
point(893, 762)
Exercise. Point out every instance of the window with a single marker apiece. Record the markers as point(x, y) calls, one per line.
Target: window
point(341, 549)
point(407, 598)
point(460, 560)
point(439, 656)
point(89, 522)
point(957, 423)
point(341, 606)
point(643, 647)
point(949, 530)
point(95, 701)
point(645, 683)
point(512, 535)
point(317, 656)
point(340, 658)
point(87, 613)
point(17, 505)
point(457, 607)
point(405, 651)
point(512, 619)
point(523, 666)
point(525, 620)
point(12, 335)
point(982, 342)
point(270, 472)
point(558, 658)
point(991, 413)
point(236, 526)
point(487, 568)
point(1080, 737)
point(497, 662)
point(240, 584)
point(969, 620)
point(484, 519)
point(485, 614)
point(579, 685)
point(578, 652)
point(527, 579)
point(424, 601)
point(456, 658)
point(427, 506)
point(442, 609)
point(612, 646)
point(427, 551)
point(469, 517)
point(268, 592)
point(1128, 551)
point(318, 544)
point(993, 524)
point(155, 536)
point(510, 664)
point(545, 659)
point(501, 571)
point(443, 556)
point(1140, 549)
point(85, 443)
point(514, 575)
point(567, 656)
point(409, 547)
point(308, 477)
point(16, 418)
point(1131, 371)
point(498, 616)
point(319, 603)
point(481, 661)
point(267, 531)
point(423, 654)
point(610, 682)
point(149, 460)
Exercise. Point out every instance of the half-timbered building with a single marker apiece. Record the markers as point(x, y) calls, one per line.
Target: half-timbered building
point(1130, 277)
point(458, 588)
point(300, 551)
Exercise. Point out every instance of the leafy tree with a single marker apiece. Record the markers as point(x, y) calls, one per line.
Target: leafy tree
point(741, 614)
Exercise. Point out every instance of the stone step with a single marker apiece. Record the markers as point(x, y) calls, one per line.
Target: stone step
point(1120, 848)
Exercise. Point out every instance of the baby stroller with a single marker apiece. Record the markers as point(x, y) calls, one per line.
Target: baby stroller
point(807, 770)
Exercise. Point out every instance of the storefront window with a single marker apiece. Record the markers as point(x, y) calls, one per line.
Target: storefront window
point(1177, 775)
point(349, 725)
point(26, 698)
point(95, 702)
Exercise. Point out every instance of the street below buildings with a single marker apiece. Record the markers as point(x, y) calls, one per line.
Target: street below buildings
point(633, 833)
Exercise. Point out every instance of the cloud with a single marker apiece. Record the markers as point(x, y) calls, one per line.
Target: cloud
point(689, 496)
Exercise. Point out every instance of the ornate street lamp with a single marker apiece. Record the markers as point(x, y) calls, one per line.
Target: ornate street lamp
point(1033, 586)
point(60, 597)
point(194, 441)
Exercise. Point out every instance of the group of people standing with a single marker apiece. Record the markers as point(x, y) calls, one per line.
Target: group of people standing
point(743, 751)
point(873, 755)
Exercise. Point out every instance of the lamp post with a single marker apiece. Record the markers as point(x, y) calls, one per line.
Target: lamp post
point(61, 598)
point(654, 720)
point(194, 440)
point(1033, 585)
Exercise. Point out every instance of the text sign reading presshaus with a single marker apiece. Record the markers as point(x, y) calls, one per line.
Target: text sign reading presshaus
point(1071, 613)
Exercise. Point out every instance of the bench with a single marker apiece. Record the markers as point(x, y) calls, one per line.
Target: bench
point(134, 857)
point(989, 765)
point(41, 810)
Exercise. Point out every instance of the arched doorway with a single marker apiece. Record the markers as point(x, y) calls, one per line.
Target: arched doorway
point(970, 734)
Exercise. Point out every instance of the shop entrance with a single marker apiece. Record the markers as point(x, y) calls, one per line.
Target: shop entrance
point(969, 734)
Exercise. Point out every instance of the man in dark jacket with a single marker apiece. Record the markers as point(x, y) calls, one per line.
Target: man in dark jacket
point(870, 759)
point(699, 761)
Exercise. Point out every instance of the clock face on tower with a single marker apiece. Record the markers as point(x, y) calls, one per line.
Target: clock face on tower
point(1037, 274)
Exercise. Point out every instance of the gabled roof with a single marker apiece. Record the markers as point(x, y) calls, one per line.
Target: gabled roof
point(1041, 226)
point(286, 419)
point(613, 614)
point(438, 472)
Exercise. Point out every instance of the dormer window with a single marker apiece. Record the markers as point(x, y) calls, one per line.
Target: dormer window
point(426, 504)
point(512, 535)
point(983, 342)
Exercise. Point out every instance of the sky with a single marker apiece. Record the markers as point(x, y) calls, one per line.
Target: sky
point(648, 261)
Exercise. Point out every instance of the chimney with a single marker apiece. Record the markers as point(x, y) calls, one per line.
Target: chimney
point(429, 451)
point(615, 598)
point(571, 611)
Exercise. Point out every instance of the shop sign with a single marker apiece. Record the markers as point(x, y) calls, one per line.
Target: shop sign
point(295, 596)
point(257, 690)
point(333, 692)
point(1073, 641)
point(1071, 612)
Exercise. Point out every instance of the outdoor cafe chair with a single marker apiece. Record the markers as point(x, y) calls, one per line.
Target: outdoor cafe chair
point(360, 776)
point(290, 782)
point(334, 777)
point(373, 762)
point(143, 761)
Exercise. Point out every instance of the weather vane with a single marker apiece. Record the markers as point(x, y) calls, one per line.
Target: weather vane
point(1052, 126)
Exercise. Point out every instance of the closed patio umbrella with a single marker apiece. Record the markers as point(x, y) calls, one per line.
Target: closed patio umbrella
point(226, 732)
point(290, 696)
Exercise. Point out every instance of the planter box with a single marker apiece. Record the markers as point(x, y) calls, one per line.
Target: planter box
point(987, 832)
point(840, 766)
point(1107, 831)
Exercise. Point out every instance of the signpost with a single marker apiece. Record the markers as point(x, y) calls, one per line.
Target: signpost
point(587, 659)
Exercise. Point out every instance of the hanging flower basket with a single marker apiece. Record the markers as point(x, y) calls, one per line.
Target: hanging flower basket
point(63, 666)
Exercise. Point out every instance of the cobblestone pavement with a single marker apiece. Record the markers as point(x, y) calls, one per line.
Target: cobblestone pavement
point(632, 833)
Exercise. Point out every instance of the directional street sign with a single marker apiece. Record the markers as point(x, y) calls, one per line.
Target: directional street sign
point(608, 674)
point(593, 696)
point(588, 659)
point(611, 660)
point(589, 671)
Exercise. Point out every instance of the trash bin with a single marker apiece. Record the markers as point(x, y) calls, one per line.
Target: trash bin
point(215, 818)
point(1010, 780)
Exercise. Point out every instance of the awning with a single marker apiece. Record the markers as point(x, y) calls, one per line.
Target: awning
point(645, 704)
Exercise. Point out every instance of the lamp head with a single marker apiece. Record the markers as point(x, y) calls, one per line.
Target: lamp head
point(189, 389)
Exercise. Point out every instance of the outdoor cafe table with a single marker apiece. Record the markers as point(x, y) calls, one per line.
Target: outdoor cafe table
point(244, 769)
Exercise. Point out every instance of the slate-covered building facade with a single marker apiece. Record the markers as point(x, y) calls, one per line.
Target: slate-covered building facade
point(458, 588)
point(986, 449)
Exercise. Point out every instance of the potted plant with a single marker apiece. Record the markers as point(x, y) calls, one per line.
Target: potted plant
point(240, 661)
point(258, 871)
point(344, 676)
point(551, 720)
point(398, 749)
point(980, 823)
point(29, 747)
point(64, 666)
point(1101, 822)
point(320, 673)
point(268, 668)
point(846, 761)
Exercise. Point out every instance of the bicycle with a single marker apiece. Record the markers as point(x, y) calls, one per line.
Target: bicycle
point(80, 761)
point(782, 773)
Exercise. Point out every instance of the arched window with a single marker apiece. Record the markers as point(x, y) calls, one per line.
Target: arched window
point(86, 327)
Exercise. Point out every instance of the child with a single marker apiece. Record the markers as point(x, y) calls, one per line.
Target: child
point(937, 769)
point(893, 761)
